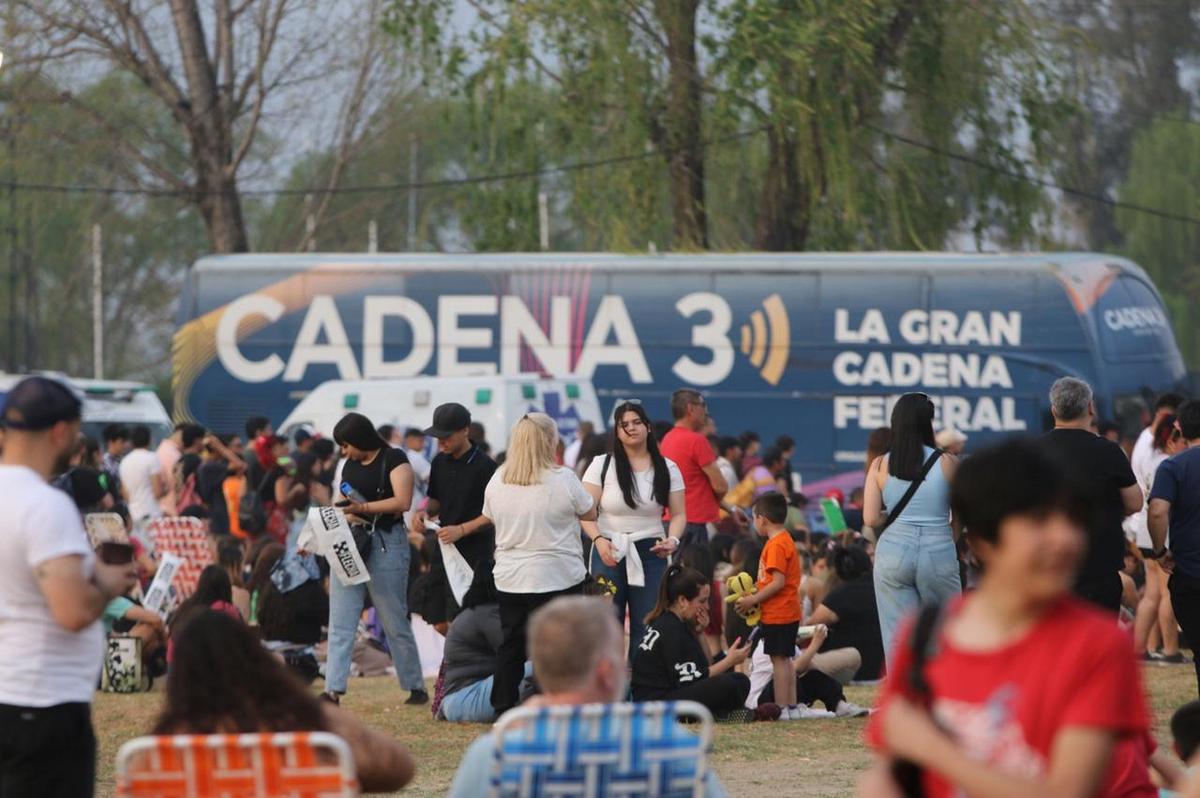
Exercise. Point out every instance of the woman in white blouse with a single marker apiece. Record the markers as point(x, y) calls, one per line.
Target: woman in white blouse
point(631, 487)
point(536, 507)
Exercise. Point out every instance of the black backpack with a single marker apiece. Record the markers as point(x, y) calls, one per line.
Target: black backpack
point(252, 513)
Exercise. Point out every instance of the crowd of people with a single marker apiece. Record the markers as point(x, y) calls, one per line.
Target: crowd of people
point(996, 593)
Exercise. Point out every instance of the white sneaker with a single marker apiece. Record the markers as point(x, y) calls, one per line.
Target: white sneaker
point(802, 712)
point(847, 710)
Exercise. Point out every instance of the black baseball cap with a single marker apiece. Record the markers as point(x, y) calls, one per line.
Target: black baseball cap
point(38, 403)
point(449, 419)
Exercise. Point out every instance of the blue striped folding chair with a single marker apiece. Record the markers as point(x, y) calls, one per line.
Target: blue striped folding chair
point(597, 750)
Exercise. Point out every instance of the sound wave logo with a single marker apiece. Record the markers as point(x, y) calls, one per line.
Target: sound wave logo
point(766, 340)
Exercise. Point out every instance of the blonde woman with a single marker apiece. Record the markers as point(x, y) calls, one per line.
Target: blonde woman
point(536, 507)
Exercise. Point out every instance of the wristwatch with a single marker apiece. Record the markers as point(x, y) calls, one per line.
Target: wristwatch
point(1158, 554)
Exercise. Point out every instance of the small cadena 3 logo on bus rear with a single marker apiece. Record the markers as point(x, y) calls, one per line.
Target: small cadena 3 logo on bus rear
point(766, 339)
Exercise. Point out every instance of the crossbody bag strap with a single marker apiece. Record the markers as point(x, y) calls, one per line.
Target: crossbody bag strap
point(923, 645)
point(383, 472)
point(894, 513)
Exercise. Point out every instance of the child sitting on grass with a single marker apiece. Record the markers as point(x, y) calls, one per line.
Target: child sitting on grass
point(779, 597)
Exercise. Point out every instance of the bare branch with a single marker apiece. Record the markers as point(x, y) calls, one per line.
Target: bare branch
point(351, 118)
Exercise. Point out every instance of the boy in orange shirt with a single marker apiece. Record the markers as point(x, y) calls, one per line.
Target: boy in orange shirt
point(779, 596)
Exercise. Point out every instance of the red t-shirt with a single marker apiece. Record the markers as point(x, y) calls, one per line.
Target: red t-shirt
point(779, 554)
point(1005, 707)
point(691, 452)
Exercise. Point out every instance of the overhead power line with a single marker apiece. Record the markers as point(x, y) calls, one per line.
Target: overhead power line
point(1038, 181)
point(580, 166)
point(525, 174)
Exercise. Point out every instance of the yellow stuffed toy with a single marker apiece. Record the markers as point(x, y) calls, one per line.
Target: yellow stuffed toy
point(742, 585)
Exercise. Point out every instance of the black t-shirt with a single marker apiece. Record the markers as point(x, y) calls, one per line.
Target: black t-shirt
point(857, 626)
point(210, 479)
point(458, 486)
point(374, 481)
point(266, 491)
point(296, 616)
point(1178, 482)
point(1101, 469)
point(668, 657)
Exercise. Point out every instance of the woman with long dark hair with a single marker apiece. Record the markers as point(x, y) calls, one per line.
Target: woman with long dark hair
point(631, 486)
point(224, 682)
point(1155, 622)
point(916, 561)
point(382, 476)
point(670, 664)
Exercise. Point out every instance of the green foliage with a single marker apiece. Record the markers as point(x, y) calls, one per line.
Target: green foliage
point(147, 242)
point(824, 80)
point(1164, 172)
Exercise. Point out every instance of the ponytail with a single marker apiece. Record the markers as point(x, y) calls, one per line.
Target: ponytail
point(679, 580)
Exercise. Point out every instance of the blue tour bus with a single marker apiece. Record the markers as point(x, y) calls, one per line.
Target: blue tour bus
point(810, 345)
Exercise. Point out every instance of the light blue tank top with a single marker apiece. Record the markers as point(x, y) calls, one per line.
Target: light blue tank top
point(929, 506)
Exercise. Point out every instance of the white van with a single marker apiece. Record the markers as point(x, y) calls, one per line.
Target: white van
point(110, 402)
point(494, 401)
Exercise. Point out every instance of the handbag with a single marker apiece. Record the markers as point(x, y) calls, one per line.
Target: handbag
point(122, 671)
point(894, 513)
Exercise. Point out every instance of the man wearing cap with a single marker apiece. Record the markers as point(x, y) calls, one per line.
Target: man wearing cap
point(53, 592)
point(458, 476)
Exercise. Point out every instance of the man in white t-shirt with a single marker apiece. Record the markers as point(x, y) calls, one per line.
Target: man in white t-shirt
point(142, 478)
point(52, 594)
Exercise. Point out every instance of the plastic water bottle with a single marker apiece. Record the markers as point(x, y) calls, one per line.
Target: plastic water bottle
point(352, 494)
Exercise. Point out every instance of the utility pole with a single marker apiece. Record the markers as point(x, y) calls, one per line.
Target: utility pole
point(9, 140)
point(542, 200)
point(413, 175)
point(97, 304)
point(310, 223)
point(372, 237)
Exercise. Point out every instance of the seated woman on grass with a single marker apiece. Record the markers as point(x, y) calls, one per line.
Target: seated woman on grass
point(1017, 688)
point(224, 682)
point(670, 663)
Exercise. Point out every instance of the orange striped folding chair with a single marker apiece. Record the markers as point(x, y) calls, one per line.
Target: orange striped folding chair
point(287, 765)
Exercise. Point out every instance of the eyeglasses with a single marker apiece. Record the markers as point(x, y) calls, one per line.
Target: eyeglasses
point(637, 402)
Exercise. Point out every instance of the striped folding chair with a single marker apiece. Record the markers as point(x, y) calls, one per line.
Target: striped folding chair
point(620, 750)
point(287, 765)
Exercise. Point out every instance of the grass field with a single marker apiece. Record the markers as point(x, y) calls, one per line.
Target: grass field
point(806, 758)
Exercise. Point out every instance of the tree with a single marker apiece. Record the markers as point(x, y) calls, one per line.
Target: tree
point(626, 76)
point(220, 75)
point(1164, 172)
point(147, 241)
point(1123, 63)
point(837, 85)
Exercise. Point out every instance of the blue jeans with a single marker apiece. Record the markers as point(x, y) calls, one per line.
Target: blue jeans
point(473, 703)
point(388, 589)
point(914, 565)
point(639, 600)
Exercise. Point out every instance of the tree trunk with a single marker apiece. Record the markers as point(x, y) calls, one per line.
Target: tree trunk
point(211, 138)
point(221, 207)
point(683, 124)
point(785, 205)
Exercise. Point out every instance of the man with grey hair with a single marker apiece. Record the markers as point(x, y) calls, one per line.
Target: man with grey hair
point(1102, 470)
point(578, 653)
